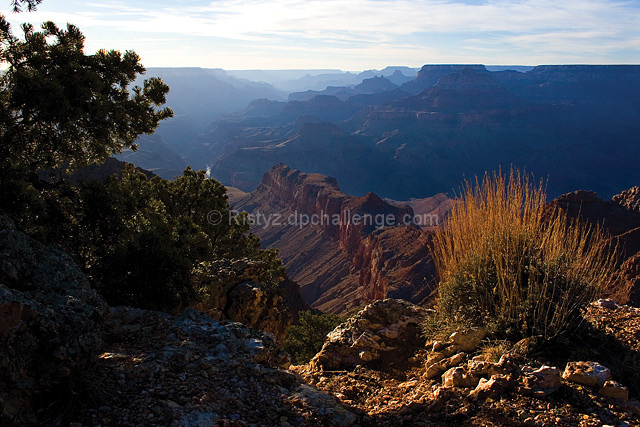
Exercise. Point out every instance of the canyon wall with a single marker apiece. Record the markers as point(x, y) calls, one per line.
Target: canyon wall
point(344, 251)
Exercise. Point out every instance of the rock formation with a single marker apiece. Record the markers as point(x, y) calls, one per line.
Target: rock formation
point(50, 323)
point(342, 250)
point(429, 75)
point(230, 291)
point(379, 335)
point(457, 381)
point(620, 217)
point(450, 123)
point(630, 199)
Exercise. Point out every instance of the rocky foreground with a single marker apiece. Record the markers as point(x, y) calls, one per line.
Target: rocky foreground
point(468, 380)
point(68, 359)
point(375, 369)
point(191, 370)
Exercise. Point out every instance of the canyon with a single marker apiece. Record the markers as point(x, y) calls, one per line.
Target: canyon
point(574, 126)
point(342, 250)
point(341, 264)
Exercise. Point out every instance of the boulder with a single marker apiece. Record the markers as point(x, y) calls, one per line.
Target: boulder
point(548, 377)
point(459, 377)
point(50, 321)
point(382, 332)
point(590, 374)
point(615, 391)
point(231, 291)
point(435, 357)
point(469, 339)
point(438, 346)
point(494, 387)
point(261, 309)
point(507, 364)
point(480, 367)
point(542, 381)
point(438, 368)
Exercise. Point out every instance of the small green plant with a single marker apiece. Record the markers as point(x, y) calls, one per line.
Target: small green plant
point(305, 340)
point(505, 259)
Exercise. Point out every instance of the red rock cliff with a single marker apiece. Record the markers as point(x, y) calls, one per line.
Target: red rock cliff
point(344, 251)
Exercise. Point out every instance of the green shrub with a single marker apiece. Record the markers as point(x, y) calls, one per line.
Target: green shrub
point(305, 340)
point(507, 261)
point(59, 106)
point(140, 241)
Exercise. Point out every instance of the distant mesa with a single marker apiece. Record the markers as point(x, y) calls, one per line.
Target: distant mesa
point(578, 125)
point(375, 84)
point(450, 122)
point(430, 74)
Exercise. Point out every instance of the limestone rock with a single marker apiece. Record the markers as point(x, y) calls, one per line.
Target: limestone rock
point(496, 386)
point(469, 339)
point(440, 367)
point(459, 377)
point(590, 374)
point(546, 379)
point(50, 320)
point(507, 364)
point(231, 292)
point(435, 357)
point(438, 346)
point(480, 367)
point(615, 391)
point(382, 331)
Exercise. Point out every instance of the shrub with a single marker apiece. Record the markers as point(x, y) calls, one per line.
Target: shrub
point(305, 340)
point(140, 240)
point(508, 262)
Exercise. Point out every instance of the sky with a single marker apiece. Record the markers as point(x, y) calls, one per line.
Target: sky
point(352, 34)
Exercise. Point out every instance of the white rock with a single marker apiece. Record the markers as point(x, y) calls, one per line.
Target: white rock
point(590, 374)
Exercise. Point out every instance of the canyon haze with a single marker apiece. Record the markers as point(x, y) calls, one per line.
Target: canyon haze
point(405, 136)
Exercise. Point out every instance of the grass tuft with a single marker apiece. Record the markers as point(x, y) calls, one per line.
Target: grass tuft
point(505, 260)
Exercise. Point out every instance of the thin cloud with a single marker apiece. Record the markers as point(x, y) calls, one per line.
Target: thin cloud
point(367, 27)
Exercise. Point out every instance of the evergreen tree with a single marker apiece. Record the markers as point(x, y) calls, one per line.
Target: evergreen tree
point(59, 106)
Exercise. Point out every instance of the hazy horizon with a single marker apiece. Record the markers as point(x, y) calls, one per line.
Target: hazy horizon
point(353, 35)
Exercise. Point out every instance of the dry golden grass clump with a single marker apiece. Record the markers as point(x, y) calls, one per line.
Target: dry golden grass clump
point(507, 262)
